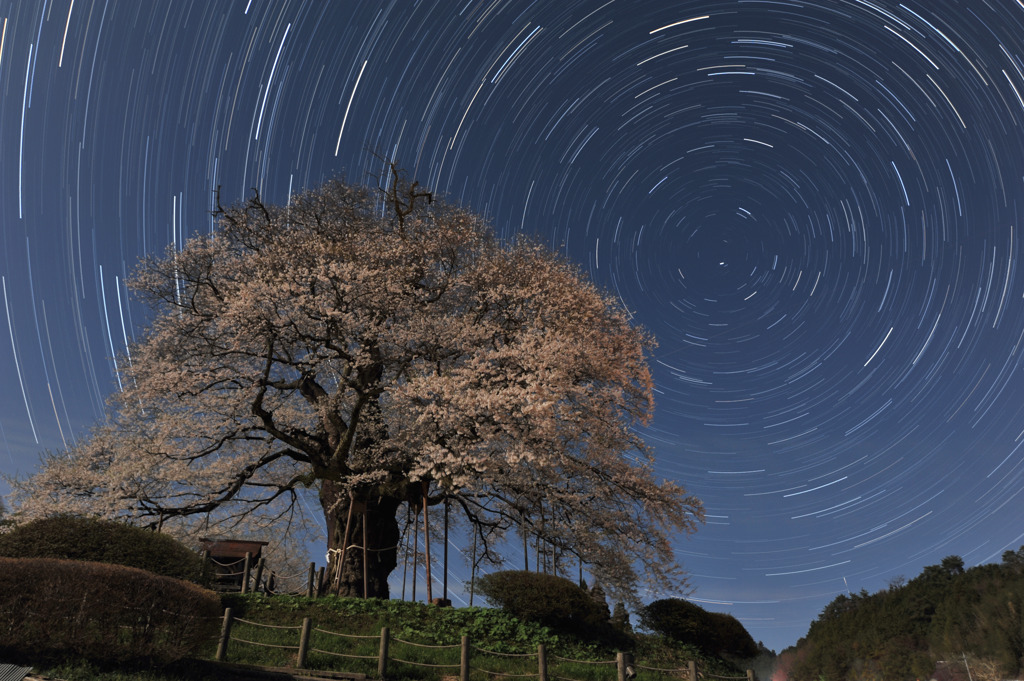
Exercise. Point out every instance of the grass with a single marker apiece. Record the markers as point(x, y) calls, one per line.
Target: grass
point(348, 632)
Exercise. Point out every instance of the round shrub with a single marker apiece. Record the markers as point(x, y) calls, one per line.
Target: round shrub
point(101, 612)
point(713, 632)
point(104, 541)
point(676, 619)
point(546, 599)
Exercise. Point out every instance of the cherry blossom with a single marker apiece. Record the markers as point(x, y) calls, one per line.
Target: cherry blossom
point(386, 351)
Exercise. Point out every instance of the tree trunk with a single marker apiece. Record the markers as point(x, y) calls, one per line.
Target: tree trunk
point(379, 513)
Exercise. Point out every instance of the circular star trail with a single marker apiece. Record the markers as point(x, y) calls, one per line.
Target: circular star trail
point(814, 206)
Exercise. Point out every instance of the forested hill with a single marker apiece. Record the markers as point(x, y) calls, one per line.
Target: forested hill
point(937, 625)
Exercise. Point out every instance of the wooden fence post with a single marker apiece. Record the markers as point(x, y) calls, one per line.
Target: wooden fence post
point(309, 581)
point(303, 643)
point(693, 671)
point(628, 671)
point(620, 666)
point(750, 675)
point(320, 582)
point(225, 634)
point(464, 659)
point(542, 663)
point(259, 574)
point(246, 567)
point(382, 657)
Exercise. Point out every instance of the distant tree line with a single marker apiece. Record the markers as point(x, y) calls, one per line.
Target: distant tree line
point(940, 624)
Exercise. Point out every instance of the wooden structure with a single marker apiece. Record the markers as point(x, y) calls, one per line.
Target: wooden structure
point(231, 560)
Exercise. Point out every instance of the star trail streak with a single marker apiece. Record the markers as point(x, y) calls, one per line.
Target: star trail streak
point(813, 206)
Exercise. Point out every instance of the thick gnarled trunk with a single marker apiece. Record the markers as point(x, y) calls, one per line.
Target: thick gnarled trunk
point(372, 524)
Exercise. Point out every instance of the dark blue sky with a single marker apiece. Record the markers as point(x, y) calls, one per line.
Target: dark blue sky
point(816, 207)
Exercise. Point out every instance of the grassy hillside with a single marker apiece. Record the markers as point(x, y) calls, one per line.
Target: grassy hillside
point(415, 623)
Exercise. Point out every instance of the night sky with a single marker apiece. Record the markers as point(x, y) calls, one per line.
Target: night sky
point(816, 207)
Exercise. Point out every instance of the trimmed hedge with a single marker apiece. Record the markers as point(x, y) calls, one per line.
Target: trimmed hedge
point(101, 612)
point(104, 541)
point(713, 632)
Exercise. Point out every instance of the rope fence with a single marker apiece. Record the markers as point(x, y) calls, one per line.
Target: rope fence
point(247, 575)
point(668, 671)
point(424, 664)
point(337, 654)
point(267, 626)
point(424, 645)
point(496, 654)
point(566, 659)
point(493, 673)
point(223, 564)
point(265, 645)
point(625, 667)
point(335, 633)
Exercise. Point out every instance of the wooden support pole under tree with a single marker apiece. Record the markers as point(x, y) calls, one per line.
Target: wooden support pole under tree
point(526, 552)
point(542, 559)
point(246, 567)
point(405, 552)
point(300, 661)
point(750, 675)
point(366, 555)
point(445, 594)
point(692, 669)
point(542, 662)
point(464, 659)
point(382, 656)
point(426, 541)
point(225, 635)
point(260, 565)
point(344, 541)
point(309, 580)
point(472, 570)
point(415, 551)
point(320, 581)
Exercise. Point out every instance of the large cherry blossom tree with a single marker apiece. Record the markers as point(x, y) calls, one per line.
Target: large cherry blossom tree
point(387, 352)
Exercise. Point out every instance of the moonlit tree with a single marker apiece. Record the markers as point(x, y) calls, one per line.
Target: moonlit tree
point(386, 352)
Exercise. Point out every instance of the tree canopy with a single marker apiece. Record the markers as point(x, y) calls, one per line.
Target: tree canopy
point(387, 352)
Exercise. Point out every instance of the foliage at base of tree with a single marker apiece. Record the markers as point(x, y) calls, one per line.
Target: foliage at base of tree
point(410, 621)
point(96, 611)
point(103, 541)
point(946, 613)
